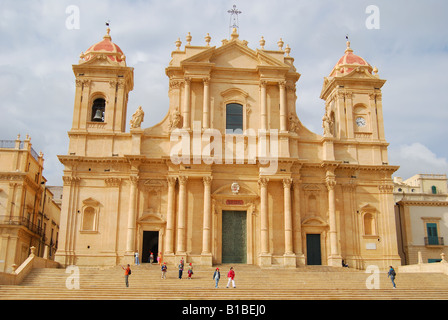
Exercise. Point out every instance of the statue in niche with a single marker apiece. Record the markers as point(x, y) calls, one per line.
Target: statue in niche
point(175, 120)
point(137, 118)
point(294, 124)
point(327, 124)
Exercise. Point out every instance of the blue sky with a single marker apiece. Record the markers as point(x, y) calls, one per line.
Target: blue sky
point(410, 50)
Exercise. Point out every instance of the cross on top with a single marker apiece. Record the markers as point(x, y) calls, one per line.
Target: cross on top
point(234, 17)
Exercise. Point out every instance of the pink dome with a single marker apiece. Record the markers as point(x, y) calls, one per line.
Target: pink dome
point(348, 62)
point(105, 46)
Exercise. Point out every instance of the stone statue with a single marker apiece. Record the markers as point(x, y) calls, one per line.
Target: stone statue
point(175, 120)
point(137, 118)
point(294, 124)
point(327, 125)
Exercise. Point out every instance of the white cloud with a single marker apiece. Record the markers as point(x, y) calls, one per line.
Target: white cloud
point(37, 51)
point(416, 158)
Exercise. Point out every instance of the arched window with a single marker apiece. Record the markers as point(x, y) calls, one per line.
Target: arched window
point(98, 109)
point(234, 116)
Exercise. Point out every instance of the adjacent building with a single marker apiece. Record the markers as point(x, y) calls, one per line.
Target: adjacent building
point(422, 217)
point(28, 215)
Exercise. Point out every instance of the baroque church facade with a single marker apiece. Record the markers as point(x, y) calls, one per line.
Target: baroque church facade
point(230, 175)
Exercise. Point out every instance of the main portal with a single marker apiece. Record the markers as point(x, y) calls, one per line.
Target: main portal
point(234, 237)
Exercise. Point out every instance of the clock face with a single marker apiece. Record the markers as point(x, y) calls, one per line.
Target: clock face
point(360, 122)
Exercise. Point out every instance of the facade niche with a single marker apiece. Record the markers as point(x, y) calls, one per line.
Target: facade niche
point(90, 212)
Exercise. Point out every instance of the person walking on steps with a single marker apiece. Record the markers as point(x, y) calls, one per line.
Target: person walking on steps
point(392, 275)
point(164, 268)
point(190, 271)
point(127, 273)
point(216, 277)
point(181, 269)
point(231, 277)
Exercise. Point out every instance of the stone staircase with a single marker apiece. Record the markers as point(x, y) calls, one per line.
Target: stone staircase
point(252, 283)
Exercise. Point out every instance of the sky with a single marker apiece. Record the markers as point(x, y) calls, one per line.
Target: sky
point(407, 40)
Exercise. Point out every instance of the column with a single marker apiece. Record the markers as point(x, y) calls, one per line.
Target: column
point(206, 229)
point(334, 259)
point(68, 212)
point(118, 114)
point(298, 219)
point(181, 215)
point(187, 104)
point(169, 248)
point(387, 225)
point(288, 216)
point(130, 238)
point(379, 115)
point(283, 107)
point(111, 224)
point(206, 107)
point(263, 105)
point(265, 257)
point(85, 108)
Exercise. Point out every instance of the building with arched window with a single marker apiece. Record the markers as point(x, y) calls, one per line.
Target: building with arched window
point(230, 174)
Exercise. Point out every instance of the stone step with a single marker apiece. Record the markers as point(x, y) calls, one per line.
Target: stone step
point(253, 283)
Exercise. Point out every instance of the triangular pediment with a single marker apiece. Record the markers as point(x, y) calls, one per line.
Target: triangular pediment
point(314, 221)
point(151, 217)
point(234, 54)
point(367, 207)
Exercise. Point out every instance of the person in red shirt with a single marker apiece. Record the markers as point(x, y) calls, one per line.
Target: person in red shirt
point(231, 277)
point(127, 272)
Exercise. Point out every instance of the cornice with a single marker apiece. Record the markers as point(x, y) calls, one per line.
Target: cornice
point(428, 203)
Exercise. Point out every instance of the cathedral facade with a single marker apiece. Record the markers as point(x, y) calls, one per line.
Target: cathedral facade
point(230, 175)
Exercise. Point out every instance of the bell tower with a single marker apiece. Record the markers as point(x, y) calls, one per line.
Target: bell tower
point(353, 100)
point(353, 106)
point(103, 82)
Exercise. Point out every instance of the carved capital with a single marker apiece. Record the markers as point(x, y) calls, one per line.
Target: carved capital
point(287, 183)
point(263, 182)
point(70, 181)
point(207, 181)
point(174, 84)
point(121, 84)
point(171, 181)
point(282, 84)
point(330, 181)
point(86, 83)
point(112, 182)
point(134, 179)
point(183, 180)
point(386, 188)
